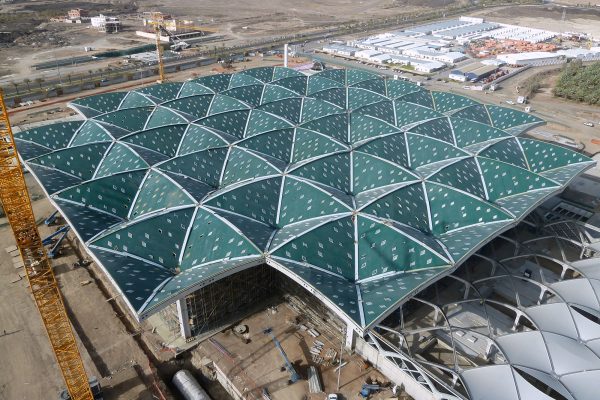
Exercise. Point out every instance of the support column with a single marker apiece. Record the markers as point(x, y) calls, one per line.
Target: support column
point(350, 338)
point(184, 320)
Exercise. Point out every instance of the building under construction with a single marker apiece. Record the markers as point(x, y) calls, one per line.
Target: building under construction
point(405, 213)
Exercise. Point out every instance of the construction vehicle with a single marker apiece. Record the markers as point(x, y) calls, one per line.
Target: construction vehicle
point(294, 377)
point(14, 197)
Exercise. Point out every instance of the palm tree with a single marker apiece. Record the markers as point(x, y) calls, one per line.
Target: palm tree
point(27, 81)
point(39, 82)
point(69, 78)
point(16, 85)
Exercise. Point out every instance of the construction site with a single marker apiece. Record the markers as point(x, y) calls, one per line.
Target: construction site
point(291, 231)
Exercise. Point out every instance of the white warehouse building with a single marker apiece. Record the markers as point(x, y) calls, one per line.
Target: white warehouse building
point(535, 58)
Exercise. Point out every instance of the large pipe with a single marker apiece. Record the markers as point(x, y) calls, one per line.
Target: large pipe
point(188, 386)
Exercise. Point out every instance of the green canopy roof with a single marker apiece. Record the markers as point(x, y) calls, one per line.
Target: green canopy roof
point(362, 189)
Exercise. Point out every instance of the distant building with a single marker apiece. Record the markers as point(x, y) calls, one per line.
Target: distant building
point(535, 58)
point(339, 49)
point(78, 13)
point(106, 24)
point(473, 72)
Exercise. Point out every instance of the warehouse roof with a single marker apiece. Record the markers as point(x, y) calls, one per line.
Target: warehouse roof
point(362, 189)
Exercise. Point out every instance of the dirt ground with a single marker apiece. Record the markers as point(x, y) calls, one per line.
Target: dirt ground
point(259, 364)
point(548, 17)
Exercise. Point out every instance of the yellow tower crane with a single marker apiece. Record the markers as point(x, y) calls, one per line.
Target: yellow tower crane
point(160, 26)
point(17, 206)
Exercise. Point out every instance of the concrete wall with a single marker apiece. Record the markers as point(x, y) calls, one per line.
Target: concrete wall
point(391, 371)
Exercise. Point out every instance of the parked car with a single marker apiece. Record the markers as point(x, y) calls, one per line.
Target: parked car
point(332, 396)
point(590, 124)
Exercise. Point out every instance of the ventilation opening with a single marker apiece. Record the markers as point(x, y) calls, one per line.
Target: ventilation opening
point(541, 386)
point(588, 315)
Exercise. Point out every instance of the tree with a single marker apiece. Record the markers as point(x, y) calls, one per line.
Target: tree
point(27, 81)
point(39, 82)
point(69, 78)
point(16, 85)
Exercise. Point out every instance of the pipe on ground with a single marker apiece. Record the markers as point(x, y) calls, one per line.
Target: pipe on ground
point(188, 386)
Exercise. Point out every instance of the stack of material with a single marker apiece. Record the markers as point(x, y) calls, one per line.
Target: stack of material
point(314, 381)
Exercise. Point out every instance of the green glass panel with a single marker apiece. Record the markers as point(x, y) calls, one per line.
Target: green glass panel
point(131, 120)
point(112, 194)
point(391, 147)
point(445, 101)
point(216, 83)
point(80, 161)
point(264, 74)
point(384, 110)
point(317, 83)
point(381, 295)
point(261, 121)
point(504, 180)
point(204, 166)
point(358, 98)
point(157, 193)
point(309, 144)
point(233, 122)
point(335, 126)
point(120, 158)
point(52, 136)
point(191, 88)
point(329, 246)
point(90, 132)
point(519, 204)
point(242, 165)
point(296, 84)
point(469, 132)
point(283, 72)
point(194, 106)
point(134, 100)
point(276, 144)
point(439, 128)
point(250, 95)
point(163, 91)
point(545, 156)
point(274, 93)
point(364, 127)
point(375, 85)
point(243, 80)
point(451, 209)
point(336, 96)
point(371, 172)
point(565, 174)
point(354, 76)
point(289, 109)
point(199, 138)
point(222, 104)
point(212, 239)
point(313, 109)
point(408, 113)
point(405, 205)
point(163, 116)
point(398, 88)
point(302, 201)
point(338, 75)
point(331, 170)
point(164, 140)
point(383, 249)
point(503, 117)
point(257, 200)
point(507, 151)
point(103, 103)
point(463, 175)
point(420, 97)
point(425, 150)
point(477, 113)
point(157, 239)
point(459, 243)
point(137, 279)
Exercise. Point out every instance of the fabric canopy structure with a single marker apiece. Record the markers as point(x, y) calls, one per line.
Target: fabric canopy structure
point(362, 189)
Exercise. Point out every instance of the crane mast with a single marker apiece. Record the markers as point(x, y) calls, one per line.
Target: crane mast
point(17, 206)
